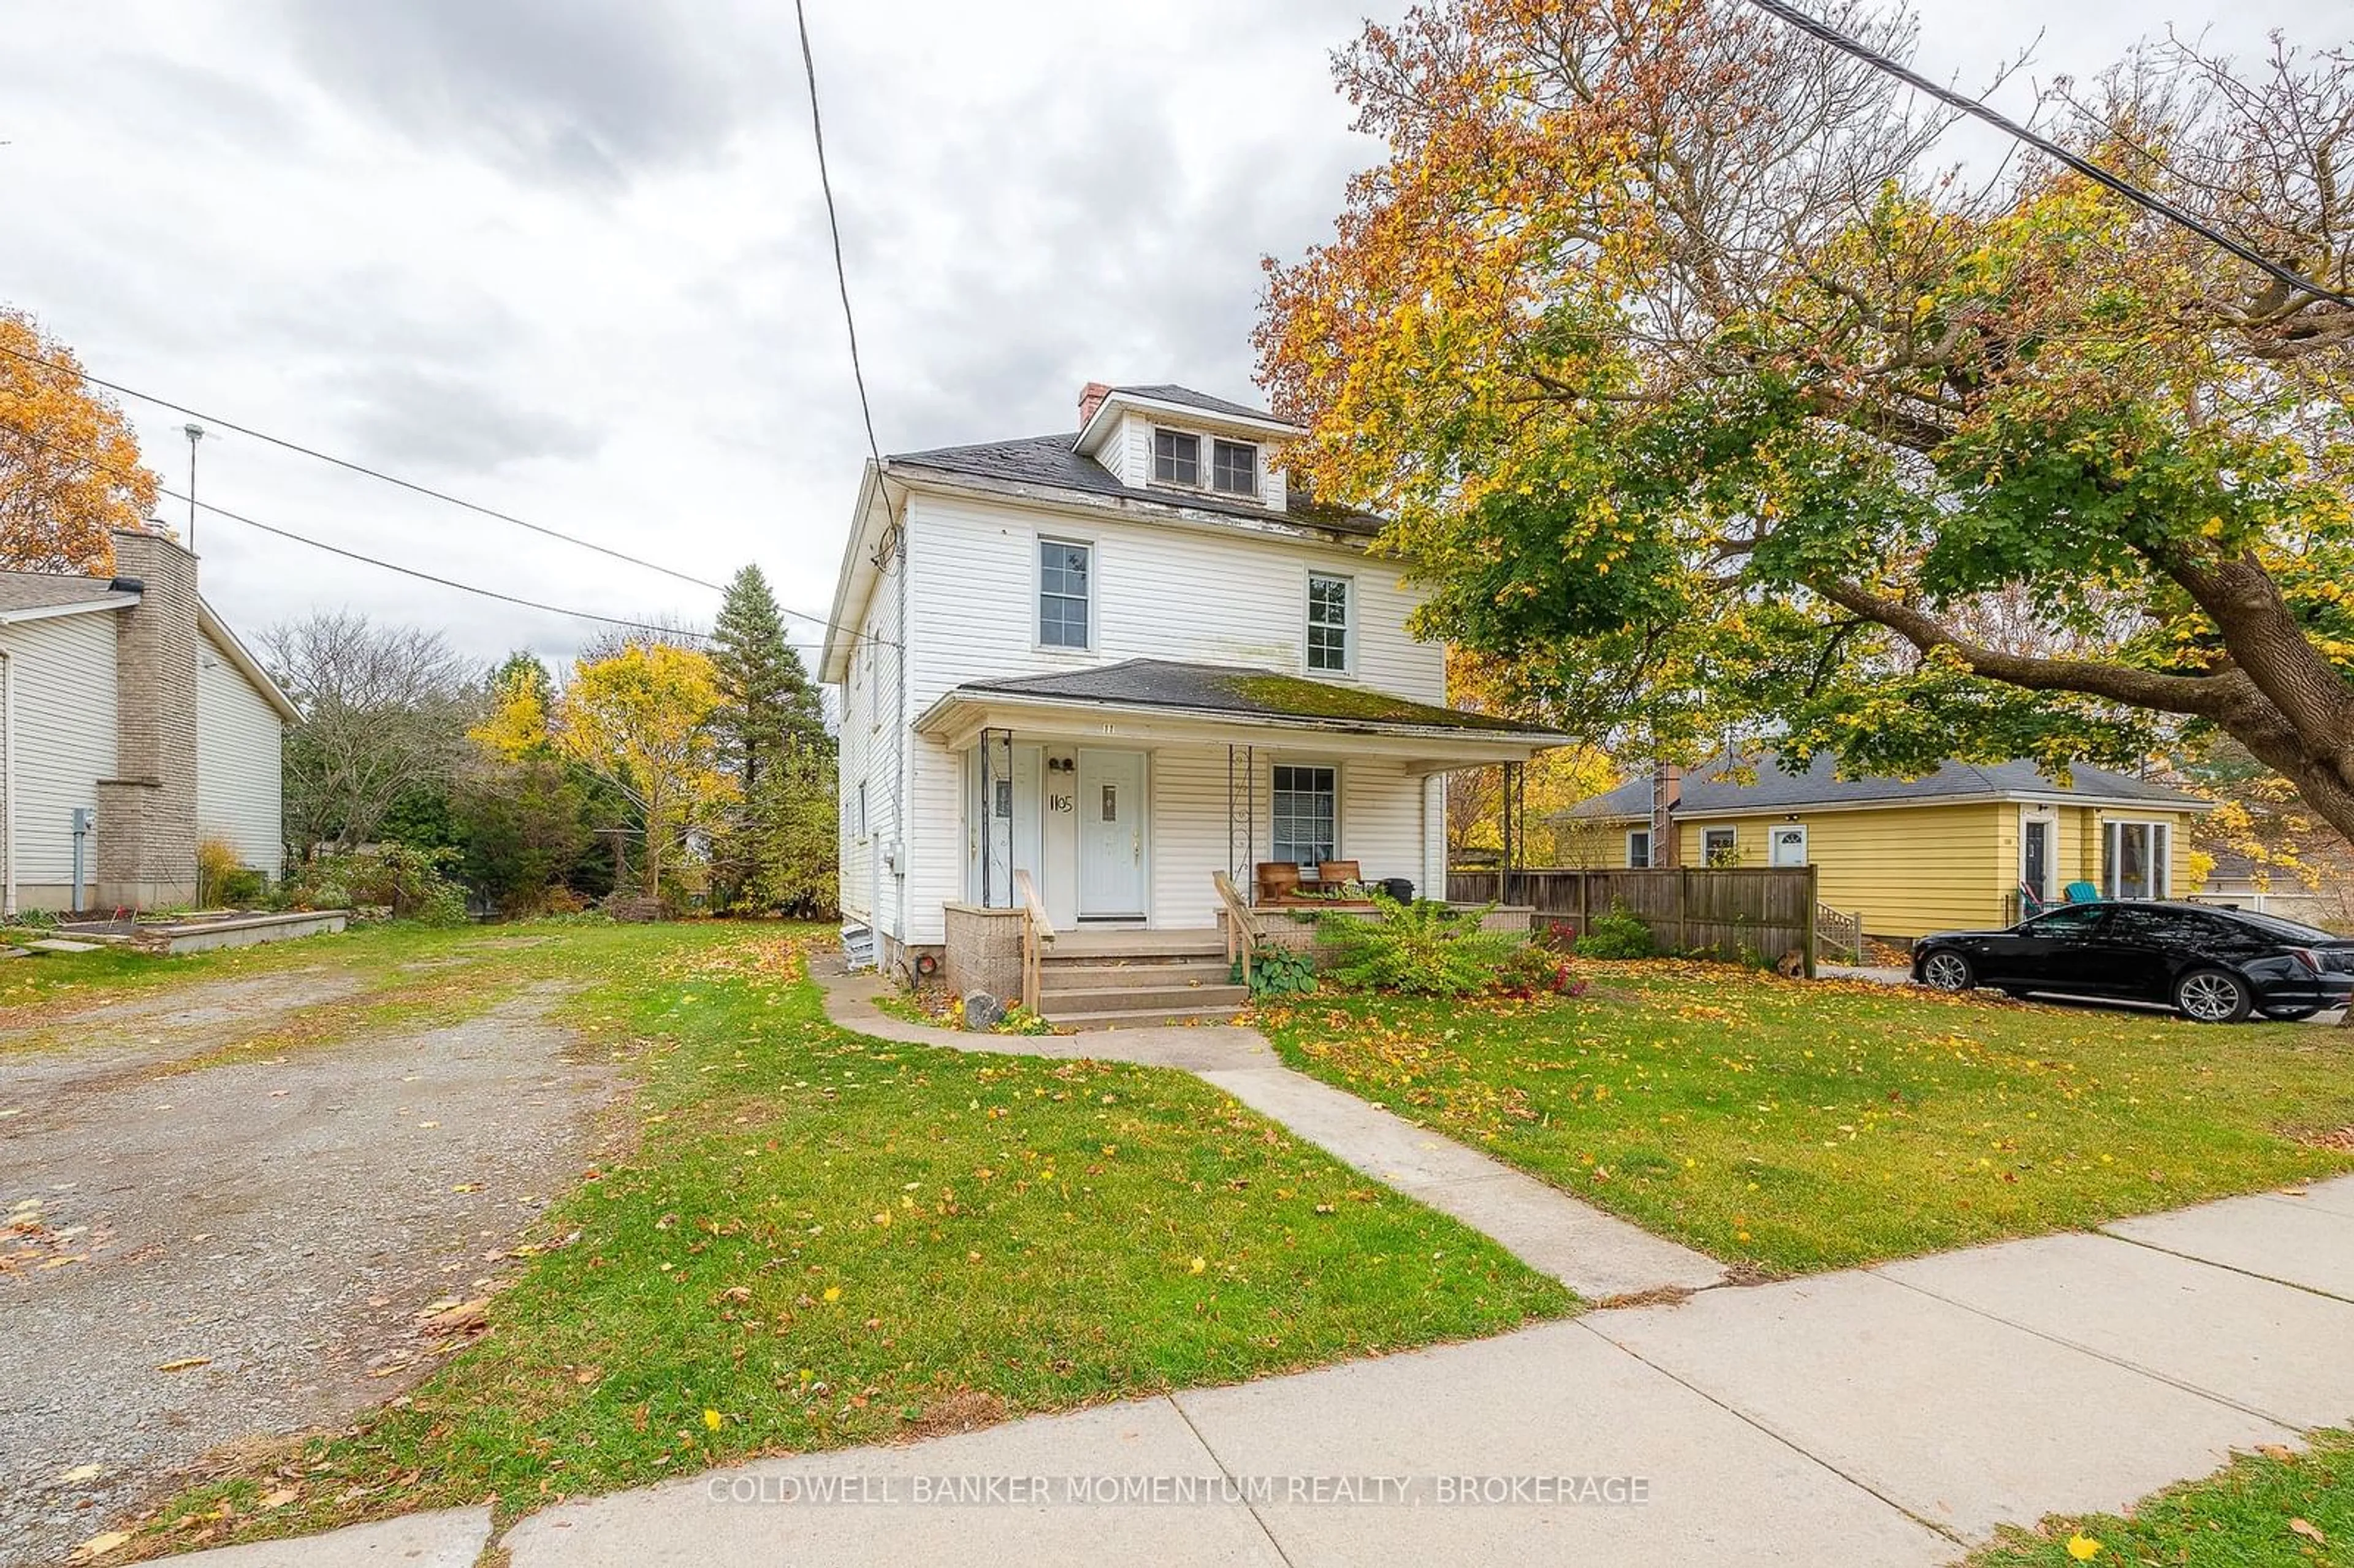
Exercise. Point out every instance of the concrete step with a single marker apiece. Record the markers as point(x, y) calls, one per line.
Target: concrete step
point(1146, 1020)
point(1067, 977)
point(1142, 999)
point(1089, 946)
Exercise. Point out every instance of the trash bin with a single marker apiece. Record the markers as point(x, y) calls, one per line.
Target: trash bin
point(1398, 889)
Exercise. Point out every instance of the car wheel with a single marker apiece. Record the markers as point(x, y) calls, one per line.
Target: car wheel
point(1947, 970)
point(2212, 996)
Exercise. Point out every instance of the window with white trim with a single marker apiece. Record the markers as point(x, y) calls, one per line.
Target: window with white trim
point(1328, 623)
point(1639, 849)
point(1065, 571)
point(1305, 803)
point(1719, 846)
point(1234, 467)
point(1176, 457)
point(2134, 859)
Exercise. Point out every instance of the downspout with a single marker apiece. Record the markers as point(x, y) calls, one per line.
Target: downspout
point(8, 786)
point(899, 726)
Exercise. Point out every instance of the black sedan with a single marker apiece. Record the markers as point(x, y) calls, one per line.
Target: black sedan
point(2211, 964)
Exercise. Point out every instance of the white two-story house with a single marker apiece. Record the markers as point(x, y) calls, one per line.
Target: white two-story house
point(1120, 660)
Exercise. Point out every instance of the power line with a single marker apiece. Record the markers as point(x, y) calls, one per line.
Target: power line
point(363, 468)
point(1976, 109)
point(833, 226)
point(197, 506)
point(360, 468)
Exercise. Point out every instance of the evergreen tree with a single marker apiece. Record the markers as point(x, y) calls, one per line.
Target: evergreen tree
point(779, 851)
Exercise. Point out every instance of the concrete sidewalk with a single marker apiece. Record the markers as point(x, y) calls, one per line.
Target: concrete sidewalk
point(1892, 1416)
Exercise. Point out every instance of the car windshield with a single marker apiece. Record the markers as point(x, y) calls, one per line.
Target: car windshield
point(2274, 925)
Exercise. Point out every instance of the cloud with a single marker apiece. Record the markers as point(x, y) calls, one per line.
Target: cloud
point(589, 91)
point(410, 418)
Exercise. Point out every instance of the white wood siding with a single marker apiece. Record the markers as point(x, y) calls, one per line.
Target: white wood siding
point(1162, 590)
point(64, 673)
point(240, 773)
point(873, 732)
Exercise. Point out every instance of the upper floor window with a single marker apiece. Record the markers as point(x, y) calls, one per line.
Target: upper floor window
point(1234, 467)
point(1065, 570)
point(1328, 623)
point(1177, 457)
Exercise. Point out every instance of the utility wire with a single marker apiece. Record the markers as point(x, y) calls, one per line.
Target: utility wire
point(125, 477)
point(359, 468)
point(1976, 109)
point(329, 458)
point(833, 225)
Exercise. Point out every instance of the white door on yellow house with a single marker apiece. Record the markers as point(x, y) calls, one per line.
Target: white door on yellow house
point(1111, 835)
point(1788, 844)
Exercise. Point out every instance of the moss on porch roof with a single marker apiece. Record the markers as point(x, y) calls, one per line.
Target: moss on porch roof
point(1245, 692)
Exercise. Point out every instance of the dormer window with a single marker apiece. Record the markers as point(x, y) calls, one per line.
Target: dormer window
point(1234, 467)
point(1177, 457)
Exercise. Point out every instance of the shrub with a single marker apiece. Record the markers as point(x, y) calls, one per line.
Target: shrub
point(222, 876)
point(1278, 970)
point(413, 884)
point(1534, 970)
point(1620, 934)
point(1422, 949)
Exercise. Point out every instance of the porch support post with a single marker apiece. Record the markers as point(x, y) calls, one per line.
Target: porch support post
point(988, 815)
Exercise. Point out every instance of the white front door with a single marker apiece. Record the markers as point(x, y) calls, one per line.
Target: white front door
point(1111, 835)
point(1790, 843)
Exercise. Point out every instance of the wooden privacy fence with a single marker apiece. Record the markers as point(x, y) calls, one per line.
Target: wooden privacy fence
point(1719, 910)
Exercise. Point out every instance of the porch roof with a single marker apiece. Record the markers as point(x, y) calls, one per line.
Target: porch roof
point(1165, 699)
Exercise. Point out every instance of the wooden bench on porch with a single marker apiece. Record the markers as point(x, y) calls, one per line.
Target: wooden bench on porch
point(1336, 884)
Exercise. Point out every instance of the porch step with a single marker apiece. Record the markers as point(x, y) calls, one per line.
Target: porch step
point(1154, 998)
point(1069, 975)
point(1131, 1019)
point(1086, 945)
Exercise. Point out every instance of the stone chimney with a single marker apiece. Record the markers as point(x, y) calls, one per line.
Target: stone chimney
point(1091, 398)
point(147, 811)
point(1667, 795)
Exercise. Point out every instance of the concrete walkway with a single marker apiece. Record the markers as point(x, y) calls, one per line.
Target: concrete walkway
point(1597, 1254)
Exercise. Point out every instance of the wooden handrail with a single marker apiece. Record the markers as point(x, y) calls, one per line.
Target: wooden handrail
point(1037, 931)
point(1242, 926)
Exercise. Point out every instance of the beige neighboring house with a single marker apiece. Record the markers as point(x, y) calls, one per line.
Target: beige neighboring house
point(133, 723)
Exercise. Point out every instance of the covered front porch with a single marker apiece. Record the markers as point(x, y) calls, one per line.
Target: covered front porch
point(1099, 806)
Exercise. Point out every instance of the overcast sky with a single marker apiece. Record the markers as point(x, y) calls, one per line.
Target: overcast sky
point(568, 258)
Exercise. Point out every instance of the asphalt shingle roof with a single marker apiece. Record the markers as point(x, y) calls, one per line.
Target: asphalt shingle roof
point(1244, 691)
point(1168, 392)
point(1707, 790)
point(44, 590)
point(1055, 461)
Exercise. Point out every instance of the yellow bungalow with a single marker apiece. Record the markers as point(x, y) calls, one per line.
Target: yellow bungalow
point(1968, 845)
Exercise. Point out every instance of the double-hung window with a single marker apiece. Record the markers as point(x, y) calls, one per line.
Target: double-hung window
point(1639, 850)
point(1328, 623)
point(1176, 457)
point(1305, 804)
point(1066, 575)
point(1234, 467)
point(1719, 846)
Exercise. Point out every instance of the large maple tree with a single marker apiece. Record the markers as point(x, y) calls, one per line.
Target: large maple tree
point(1713, 405)
point(69, 470)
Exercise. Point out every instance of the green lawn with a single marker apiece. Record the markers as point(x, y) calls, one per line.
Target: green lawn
point(2274, 1509)
point(1792, 1125)
point(825, 1240)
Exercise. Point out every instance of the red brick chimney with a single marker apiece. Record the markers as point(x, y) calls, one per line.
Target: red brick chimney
point(1091, 398)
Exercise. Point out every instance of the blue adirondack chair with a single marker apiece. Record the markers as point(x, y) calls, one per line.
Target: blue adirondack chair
point(2082, 893)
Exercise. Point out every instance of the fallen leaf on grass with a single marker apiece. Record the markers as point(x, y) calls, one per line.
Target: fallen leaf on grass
point(184, 1362)
point(2310, 1532)
point(280, 1497)
point(2275, 1451)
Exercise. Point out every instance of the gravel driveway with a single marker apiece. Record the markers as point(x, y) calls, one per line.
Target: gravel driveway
point(272, 1229)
